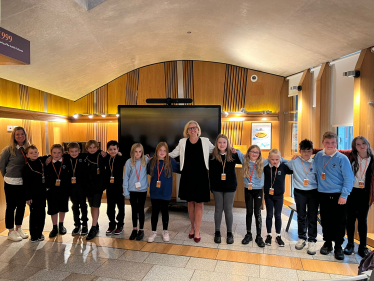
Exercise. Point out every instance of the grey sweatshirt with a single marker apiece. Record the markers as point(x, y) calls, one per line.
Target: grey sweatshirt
point(11, 166)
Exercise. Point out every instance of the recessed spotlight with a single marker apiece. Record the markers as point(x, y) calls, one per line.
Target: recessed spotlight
point(188, 32)
point(90, 116)
point(264, 119)
point(75, 115)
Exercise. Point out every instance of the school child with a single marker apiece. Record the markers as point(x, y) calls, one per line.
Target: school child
point(335, 183)
point(135, 186)
point(113, 180)
point(95, 187)
point(161, 171)
point(75, 161)
point(275, 174)
point(304, 181)
point(223, 184)
point(35, 191)
point(57, 181)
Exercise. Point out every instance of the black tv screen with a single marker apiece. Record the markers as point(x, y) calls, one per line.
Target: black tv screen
point(151, 124)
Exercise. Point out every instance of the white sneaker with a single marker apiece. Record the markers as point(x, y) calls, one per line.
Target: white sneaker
point(14, 236)
point(311, 248)
point(22, 234)
point(300, 244)
point(152, 237)
point(165, 236)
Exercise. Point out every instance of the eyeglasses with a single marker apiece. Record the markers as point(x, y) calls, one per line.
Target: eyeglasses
point(254, 152)
point(192, 128)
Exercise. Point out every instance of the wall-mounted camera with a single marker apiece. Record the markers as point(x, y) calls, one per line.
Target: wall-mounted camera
point(254, 78)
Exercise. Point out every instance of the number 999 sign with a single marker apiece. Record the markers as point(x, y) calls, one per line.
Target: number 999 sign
point(6, 36)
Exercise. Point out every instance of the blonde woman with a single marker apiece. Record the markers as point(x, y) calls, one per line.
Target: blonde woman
point(194, 165)
point(12, 161)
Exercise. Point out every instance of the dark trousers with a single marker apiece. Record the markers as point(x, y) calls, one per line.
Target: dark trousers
point(253, 203)
point(157, 206)
point(37, 217)
point(137, 201)
point(307, 212)
point(357, 208)
point(274, 206)
point(333, 218)
point(79, 205)
point(115, 198)
point(15, 201)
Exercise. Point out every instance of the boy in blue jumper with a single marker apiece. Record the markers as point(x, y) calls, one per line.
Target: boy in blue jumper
point(335, 182)
point(304, 181)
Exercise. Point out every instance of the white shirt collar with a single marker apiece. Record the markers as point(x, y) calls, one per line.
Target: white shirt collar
point(54, 161)
point(310, 160)
point(332, 155)
point(271, 166)
point(18, 147)
point(252, 161)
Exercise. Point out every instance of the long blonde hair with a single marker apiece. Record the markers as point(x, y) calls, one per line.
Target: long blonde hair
point(167, 161)
point(13, 144)
point(259, 162)
point(217, 154)
point(185, 130)
point(132, 155)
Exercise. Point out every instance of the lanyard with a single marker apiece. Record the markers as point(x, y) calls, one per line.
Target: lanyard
point(324, 166)
point(75, 166)
point(223, 165)
point(363, 172)
point(42, 173)
point(111, 166)
point(158, 172)
point(58, 176)
point(271, 176)
point(97, 163)
point(250, 177)
point(306, 172)
point(140, 169)
point(24, 156)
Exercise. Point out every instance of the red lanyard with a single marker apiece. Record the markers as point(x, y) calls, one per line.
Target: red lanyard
point(24, 156)
point(42, 173)
point(250, 177)
point(75, 166)
point(363, 172)
point(306, 172)
point(58, 176)
point(271, 176)
point(327, 161)
point(140, 169)
point(111, 166)
point(159, 173)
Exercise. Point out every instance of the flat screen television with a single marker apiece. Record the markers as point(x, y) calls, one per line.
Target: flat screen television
point(151, 124)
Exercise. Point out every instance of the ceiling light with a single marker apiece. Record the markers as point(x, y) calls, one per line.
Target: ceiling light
point(188, 32)
point(103, 115)
point(225, 113)
point(352, 73)
point(90, 116)
point(264, 119)
point(75, 115)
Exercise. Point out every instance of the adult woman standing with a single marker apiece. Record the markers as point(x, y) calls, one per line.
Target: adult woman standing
point(194, 164)
point(12, 161)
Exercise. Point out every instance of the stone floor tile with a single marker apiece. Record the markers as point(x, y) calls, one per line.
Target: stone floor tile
point(236, 268)
point(168, 273)
point(46, 275)
point(20, 272)
point(106, 252)
point(167, 260)
point(80, 277)
point(42, 259)
point(310, 275)
point(336, 276)
point(201, 275)
point(135, 256)
point(79, 264)
point(201, 264)
point(277, 273)
point(118, 269)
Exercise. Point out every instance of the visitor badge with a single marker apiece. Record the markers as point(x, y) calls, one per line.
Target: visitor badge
point(111, 179)
point(323, 176)
point(158, 184)
point(271, 191)
point(361, 184)
point(138, 185)
point(73, 180)
point(98, 171)
point(43, 179)
point(58, 182)
point(223, 176)
point(306, 182)
point(250, 186)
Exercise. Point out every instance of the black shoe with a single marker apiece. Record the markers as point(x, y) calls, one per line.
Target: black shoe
point(363, 251)
point(118, 231)
point(230, 238)
point(76, 231)
point(110, 230)
point(92, 234)
point(260, 242)
point(53, 233)
point(348, 250)
point(217, 237)
point(247, 238)
point(268, 240)
point(133, 235)
point(62, 230)
point(140, 235)
point(326, 248)
point(84, 230)
point(33, 240)
point(97, 227)
point(338, 253)
point(279, 241)
point(41, 238)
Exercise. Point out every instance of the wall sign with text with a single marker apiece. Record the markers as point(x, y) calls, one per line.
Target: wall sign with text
point(13, 48)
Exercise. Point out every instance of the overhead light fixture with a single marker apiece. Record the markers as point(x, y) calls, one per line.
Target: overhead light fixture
point(90, 116)
point(75, 115)
point(352, 73)
point(264, 119)
point(242, 110)
point(225, 113)
point(117, 115)
point(103, 115)
point(236, 119)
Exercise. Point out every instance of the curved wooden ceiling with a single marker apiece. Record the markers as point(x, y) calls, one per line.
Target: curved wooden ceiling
point(74, 51)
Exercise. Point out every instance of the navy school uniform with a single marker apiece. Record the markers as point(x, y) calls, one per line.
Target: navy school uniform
point(94, 178)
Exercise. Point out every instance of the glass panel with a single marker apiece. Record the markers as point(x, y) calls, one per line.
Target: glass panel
point(345, 137)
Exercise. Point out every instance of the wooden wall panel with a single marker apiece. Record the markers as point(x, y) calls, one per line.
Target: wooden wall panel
point(188, 80)
point(132, 87)
point(112, 131)
point(171, 79)
point(285, 121)
point(36, 100)
point(9, 94)
point(323, 89)
point(78, 132)
point(151, 83)
point(116, 93)
point(305, 107)
point(209, 79)
point(57, 105)
point(235, 88)
point(79, 106)
point(234, 131)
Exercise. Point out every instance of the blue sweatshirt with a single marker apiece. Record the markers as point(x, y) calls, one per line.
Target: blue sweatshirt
point(130, 178)
point(164, 192)
point(257, 183)
point(339, 175)
point(299, 173)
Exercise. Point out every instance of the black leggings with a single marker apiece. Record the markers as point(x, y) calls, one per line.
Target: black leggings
point(274, 205)
point(37, 217)
point(253, 203)
point(15, 201)
point(137, 201)
point(157, 206)
point(357, 208)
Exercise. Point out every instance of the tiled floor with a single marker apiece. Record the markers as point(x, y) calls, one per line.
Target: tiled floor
point(117, 258)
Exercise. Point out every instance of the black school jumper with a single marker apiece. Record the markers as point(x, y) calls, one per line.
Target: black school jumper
point(94, 180)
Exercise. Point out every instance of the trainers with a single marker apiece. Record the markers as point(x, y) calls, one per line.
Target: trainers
point(279, 241)
point(300, 244)
point(268, 240)
point(41, 238)
point(33, 240)
point(110, 231)
point(217, 237)
point(338, 253)
point(133, 235)
point(247, 238)
point(165, 236)
point(326, 248)
point(140, 235)
point(53, 233)
point(311, 248)
point(229, 238)
point(152, 237)
point(363, 251)
point(76, 231)
point(84, 230)
point(92, 234)
point(62, 230)
point(118, 231)
point(22, 234)
point(260, 242)
point(14, 236)
point(348, 250)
